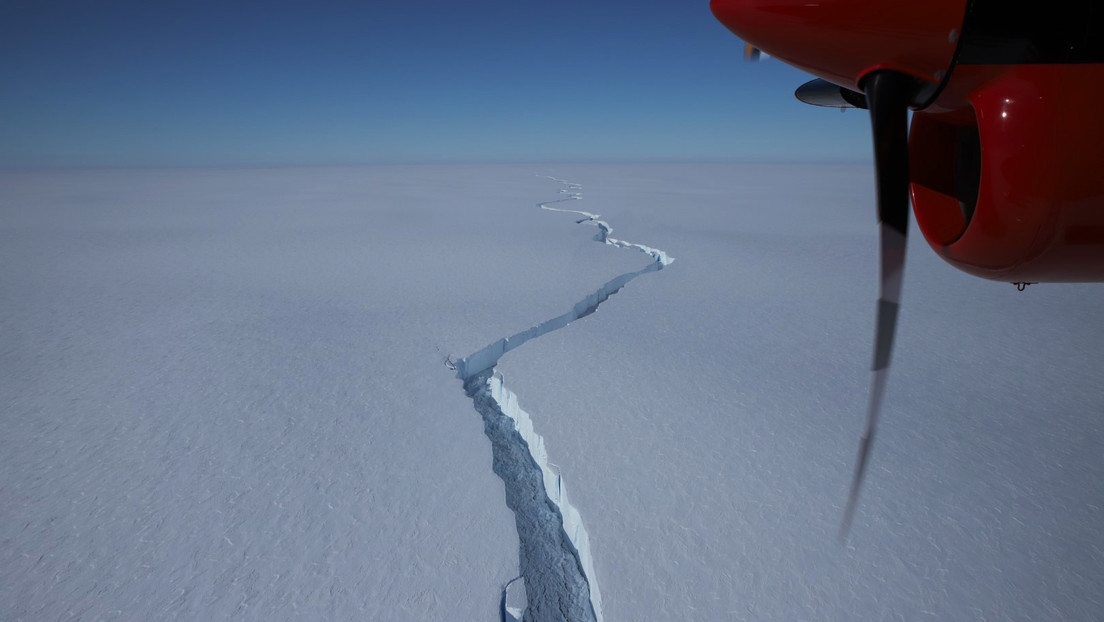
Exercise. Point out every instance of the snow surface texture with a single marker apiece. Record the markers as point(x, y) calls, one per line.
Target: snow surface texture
point(222, 395)
point(707, 421)
point(557, 564)
point(223, 398)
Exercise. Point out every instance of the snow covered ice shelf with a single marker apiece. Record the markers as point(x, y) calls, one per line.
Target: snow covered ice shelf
point(224, 397)
point(224, 394)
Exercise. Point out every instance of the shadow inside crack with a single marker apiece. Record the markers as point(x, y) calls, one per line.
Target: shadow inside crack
point(556, 587)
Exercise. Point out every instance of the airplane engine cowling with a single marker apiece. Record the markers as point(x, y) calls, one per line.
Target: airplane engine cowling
point(1007, 172)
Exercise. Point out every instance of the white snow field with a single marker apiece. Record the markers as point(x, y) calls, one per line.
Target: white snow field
point(235, 394)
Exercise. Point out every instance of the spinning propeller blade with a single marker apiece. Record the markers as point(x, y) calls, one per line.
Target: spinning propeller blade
point(887, 96)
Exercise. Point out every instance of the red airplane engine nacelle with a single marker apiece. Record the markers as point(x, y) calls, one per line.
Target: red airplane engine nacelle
point(1007, 170)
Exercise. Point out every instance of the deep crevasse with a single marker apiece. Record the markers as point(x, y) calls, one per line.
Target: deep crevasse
point(555, 561)
point(557, 564)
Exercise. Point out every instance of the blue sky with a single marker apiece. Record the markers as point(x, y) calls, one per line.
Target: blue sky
point(284, 83)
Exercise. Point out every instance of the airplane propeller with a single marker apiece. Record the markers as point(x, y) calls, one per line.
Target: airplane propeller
point(887, 95)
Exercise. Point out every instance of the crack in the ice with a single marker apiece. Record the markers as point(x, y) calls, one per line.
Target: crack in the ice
point(573, 192)
point(555, 580)
point(557, 569)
